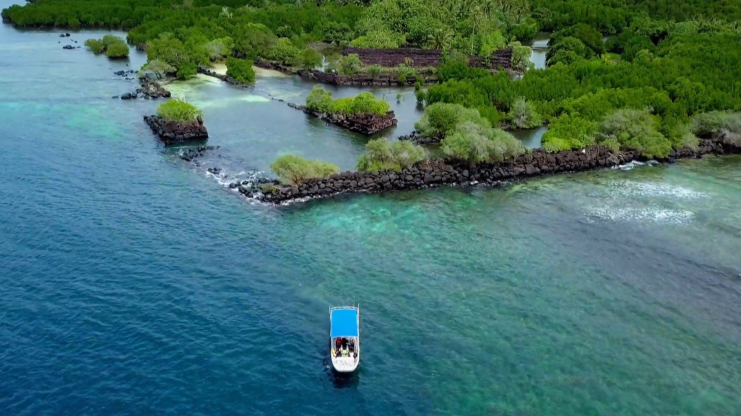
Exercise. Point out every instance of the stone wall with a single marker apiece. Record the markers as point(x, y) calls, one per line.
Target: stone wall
point(424, 57)
point(176, 132)
point(331, 78)
point(367, 124)
point(382, 80)
point(434, 173)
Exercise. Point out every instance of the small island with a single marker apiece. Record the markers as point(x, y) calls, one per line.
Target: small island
point(112, 46)
point(177, 122)
point(363, 113)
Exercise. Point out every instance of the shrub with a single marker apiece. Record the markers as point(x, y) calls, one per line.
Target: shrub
point(241, 70)
point(351, 64)
point(309, 59)
point(381, 155)
point(474, 143)
point(294, 170)
point(379, 39)
point(109, 40)
point(520, 56)
point(366, 102)
point(637, 130)
point(569, 132)
point(283, 51)
point(374, 70)
point(440, 119)
point(117, 50)
point(187, 70)
point(219, 48)
point(710, 124)
point(522, 114)
point(178, 110)
point(159, 67)
point(95, 45)
point(321, 100)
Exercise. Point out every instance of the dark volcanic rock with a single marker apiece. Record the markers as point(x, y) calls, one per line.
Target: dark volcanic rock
point(175, 132)
point(434, 173)
point(425, 57)
point(153, 89)
point(416, 137)
point(192, 153)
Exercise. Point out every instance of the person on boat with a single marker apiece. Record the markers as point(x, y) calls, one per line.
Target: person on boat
point(352, 345)
point(344, 353)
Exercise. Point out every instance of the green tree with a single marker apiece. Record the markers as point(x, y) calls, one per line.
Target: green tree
point(523, 115)
point(241, 70)
point(636, 130)
point(440, 119)
point(309, 59)
point(474, 143)
point(283, 51)
point(117, 51)
point(95, 45)
point(381, 155)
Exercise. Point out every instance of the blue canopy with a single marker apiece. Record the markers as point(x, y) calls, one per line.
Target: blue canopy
point(344, 323)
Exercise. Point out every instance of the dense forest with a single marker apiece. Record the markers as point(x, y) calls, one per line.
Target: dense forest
point(662, 64)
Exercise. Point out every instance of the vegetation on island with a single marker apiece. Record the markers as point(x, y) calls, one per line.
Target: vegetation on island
point(320, 100)
point(382, 155)
point(293, 170)
point(241, 70)
point(113, 46)
point(666, 72)
point(178, 110)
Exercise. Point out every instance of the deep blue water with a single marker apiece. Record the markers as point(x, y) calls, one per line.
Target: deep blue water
point(132, 283)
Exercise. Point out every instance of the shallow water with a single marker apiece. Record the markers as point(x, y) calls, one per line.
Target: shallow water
point(133, 283)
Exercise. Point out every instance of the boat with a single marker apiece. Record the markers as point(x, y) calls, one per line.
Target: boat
point(344, 337)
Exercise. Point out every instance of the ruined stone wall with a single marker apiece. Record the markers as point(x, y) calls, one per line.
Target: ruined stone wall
point(434, 173)
point(175, 132)
point(425, 57)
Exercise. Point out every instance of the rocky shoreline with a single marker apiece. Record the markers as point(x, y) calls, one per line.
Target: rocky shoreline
point(435, 173)
point(225, 78)
point(331, 78)
point(176, 132)
point(367, 124)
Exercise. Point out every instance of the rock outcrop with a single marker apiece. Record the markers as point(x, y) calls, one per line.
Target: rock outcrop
point(152, 89)
point(176, 132)
point(435, 173)
point(367, 124)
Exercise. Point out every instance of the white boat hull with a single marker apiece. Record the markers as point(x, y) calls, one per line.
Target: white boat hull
point(344, 337)
point(345, 364)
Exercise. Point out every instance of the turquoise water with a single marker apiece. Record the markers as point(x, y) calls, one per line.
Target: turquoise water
point(135, 284)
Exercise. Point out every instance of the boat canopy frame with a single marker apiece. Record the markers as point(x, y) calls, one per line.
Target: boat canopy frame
point(344, 321)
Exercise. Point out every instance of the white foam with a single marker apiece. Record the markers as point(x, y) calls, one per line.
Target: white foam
point(629, 214)
point(632, 189)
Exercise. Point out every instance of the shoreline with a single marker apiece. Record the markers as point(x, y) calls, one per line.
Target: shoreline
point(434, 173)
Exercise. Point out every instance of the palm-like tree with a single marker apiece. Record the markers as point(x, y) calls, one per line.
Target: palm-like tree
point(440, 38)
